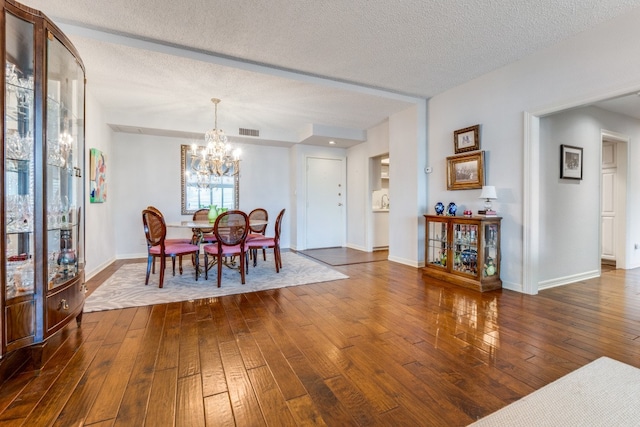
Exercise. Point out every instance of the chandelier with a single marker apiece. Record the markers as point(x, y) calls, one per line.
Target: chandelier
point(216, 159)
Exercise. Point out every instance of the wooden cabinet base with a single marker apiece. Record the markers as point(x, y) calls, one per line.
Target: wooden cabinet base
point(482, 286)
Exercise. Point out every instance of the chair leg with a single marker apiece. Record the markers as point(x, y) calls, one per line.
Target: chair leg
point(180, 264)
point(219, 269)
point(151, 260)
point(275, 257)
point(279, 256)
point(264, 254)
point(163, 264)
point(242, 261)
point(173, 264)
point(206, 263)
point(197, 264)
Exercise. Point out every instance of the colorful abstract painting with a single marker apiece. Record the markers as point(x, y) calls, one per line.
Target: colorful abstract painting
point(98, 176)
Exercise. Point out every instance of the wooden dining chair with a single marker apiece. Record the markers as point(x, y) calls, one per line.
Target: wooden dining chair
point(230, 229)
point(168, 241)
point(207, 233)
point(155, 231)
point(258, 231)
point(269, 242)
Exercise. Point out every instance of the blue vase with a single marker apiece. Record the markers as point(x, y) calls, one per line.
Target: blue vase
point(439, 208)
point(451, 209)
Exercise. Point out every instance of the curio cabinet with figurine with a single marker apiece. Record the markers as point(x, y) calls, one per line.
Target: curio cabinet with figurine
point(464, 251)
point(42, 273)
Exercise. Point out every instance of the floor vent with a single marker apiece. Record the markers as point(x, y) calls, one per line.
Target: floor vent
point(248, 132)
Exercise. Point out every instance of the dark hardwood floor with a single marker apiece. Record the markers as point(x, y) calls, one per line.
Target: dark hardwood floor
point(384, 347)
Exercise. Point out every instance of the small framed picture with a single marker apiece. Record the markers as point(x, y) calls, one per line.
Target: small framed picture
point(467, 139)
point(465, 171)
point(570, 162)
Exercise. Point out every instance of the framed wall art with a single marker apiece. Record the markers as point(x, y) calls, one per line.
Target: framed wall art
point(467, 139)
point(465, 171)
point(97, 176)
point(570, 162)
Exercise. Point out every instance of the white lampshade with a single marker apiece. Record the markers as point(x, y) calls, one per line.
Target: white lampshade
point(488, 192)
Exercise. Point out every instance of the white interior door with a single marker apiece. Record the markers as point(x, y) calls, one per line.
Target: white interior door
point(608, 202)
point(325, 226)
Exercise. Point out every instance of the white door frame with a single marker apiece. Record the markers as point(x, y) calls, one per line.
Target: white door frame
point(622, 148)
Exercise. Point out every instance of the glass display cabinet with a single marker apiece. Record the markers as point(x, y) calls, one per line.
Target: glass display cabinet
point(464, 251)
point(43, 188)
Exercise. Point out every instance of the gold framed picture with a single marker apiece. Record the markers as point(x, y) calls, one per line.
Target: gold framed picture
point(465, 171)
point(467, 139)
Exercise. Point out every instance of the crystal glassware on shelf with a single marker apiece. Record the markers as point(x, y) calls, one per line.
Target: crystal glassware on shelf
point(11, 76)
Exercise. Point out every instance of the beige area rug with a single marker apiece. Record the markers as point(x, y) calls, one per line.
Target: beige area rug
point(603, 393)
point(126, 287)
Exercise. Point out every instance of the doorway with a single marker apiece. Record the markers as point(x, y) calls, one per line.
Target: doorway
point(532, 212)
point(613, 200)
point(380, 202)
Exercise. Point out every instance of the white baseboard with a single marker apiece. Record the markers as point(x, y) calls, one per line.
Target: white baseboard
point(89, 274)
point(356, 247)
point(552, 283)
point(410, 263)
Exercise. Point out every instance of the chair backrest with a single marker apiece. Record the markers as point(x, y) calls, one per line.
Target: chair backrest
point(278, 226)
point(261, 215)
point(231, 228)
point(153, 208)
point(155, 229)
point(202, 215)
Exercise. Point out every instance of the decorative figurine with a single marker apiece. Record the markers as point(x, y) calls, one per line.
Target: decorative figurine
point(489, 268)
point(67, 255)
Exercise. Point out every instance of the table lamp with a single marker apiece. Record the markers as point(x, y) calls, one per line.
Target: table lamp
point(488, 193)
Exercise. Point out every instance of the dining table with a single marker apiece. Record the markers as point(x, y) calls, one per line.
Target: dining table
point(198, 228)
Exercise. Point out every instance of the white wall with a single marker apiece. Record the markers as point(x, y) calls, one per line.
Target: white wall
point(407, 185)
point(403, 137)
point(570, 247)
point(99, 230)
point(595, 64)
point(359, 216)
point(148, 173)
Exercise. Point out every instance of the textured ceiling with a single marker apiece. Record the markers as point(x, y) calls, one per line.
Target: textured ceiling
point(159, 62)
